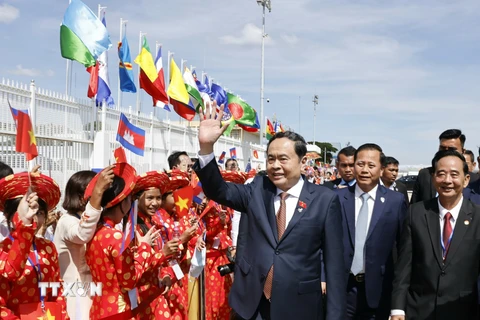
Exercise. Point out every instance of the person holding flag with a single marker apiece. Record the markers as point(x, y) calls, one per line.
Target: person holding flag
point(75, 229)
point(218, 225)
point(175, 225)
point(118, 271)
point(24, 296)
point(156, 282)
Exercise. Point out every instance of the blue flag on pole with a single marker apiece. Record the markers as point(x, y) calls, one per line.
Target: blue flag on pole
point(127, 83)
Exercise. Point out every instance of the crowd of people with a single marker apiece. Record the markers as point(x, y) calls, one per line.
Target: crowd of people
point(283, 243)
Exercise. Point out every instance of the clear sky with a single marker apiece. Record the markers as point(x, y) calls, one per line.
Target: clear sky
point(396, 73)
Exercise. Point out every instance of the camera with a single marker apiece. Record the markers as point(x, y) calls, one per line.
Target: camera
point(227, 268)
point(268, 100)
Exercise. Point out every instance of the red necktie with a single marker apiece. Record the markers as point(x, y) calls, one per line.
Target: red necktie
point(281, 224)
point(447, 233)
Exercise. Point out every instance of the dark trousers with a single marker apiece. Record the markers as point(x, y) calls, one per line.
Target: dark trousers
point(357, 306)
point(262, 313)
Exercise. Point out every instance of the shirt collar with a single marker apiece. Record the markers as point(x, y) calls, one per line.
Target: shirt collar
point(345, 183)
point(295, 190)
point(359, 192)
point(455, 211)
point(392, 186)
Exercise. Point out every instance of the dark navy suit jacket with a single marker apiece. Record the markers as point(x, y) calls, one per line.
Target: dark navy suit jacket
point(383, 234)
point(316, 224)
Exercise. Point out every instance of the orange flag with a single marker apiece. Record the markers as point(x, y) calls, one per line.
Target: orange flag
point(183, 200)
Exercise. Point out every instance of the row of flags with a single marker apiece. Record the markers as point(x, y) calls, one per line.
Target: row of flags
point(84, 38)
point(271, 129)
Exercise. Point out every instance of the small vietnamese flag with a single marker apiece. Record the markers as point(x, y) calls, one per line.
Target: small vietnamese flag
point(119, 155)
point(183, 200)
point(233, 153)
point(25, 141)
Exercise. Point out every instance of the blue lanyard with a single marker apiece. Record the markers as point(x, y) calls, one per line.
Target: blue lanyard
point(38, 271)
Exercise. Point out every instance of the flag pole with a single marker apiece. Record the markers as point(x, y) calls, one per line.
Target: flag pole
point(139, 70)
point(170, 56)
point(68, 70)
point(157, 46)
point(119, 96)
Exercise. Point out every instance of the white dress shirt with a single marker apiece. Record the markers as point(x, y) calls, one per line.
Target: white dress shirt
point(358, 204)
point(455, 211)
point(291, 200)
point(392, 186)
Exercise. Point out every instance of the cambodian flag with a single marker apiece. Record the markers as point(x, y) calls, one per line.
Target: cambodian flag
point(233, 153)
point(130, 136)
point(221, 159)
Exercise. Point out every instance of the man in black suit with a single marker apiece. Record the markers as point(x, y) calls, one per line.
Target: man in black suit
point(439, 255)
point(289, 222)
point(389, 177)
point(423, 189)
point(470, 158)
point(372, 219)
point(345, 166)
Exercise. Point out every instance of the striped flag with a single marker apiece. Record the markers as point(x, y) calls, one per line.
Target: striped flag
point(161, 77)
point(103, 91)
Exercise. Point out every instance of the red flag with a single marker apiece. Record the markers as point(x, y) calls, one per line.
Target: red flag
point(26, 141)
point(209, 206)
point(119, 155)
point(33, 311)
point(183, 200)
point(255, 154)
point(93, 83)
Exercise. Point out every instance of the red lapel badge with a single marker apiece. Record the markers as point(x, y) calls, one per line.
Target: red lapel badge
point(302, 205)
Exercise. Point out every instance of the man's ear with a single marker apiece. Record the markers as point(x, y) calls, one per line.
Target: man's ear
point(304, 160)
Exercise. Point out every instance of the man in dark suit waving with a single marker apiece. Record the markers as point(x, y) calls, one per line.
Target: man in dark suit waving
point(289, 222)
point(372, 219)
point(439, 256)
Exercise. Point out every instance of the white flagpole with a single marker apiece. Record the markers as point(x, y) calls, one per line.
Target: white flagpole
point(139, 70)
point(119, 97)
point(157, 46)
point(170, 56)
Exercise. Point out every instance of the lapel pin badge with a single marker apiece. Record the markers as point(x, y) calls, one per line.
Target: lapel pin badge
point(382, 199)
point(300, 209)
point(302, 204)
point(466, 222)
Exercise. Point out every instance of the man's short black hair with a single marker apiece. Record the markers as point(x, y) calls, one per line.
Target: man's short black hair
point(453, 134)
point(347, 152)
point(449, 153)
point(370, 146)
point(300, 144)
point(174, 158)
point(470, 153)
point(5, 170)
point(390, 160)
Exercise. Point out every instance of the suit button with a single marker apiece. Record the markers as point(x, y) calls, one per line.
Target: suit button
point(277, 252)
point(443, 273)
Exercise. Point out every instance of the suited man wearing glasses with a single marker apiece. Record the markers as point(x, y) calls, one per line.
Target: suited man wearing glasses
point(372, 219)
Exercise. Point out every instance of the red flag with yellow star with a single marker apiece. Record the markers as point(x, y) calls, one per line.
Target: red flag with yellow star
point(183, 200)
point(26, 141)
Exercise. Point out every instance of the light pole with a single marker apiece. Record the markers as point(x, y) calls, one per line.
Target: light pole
point(265, 4)
point(315, 102)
